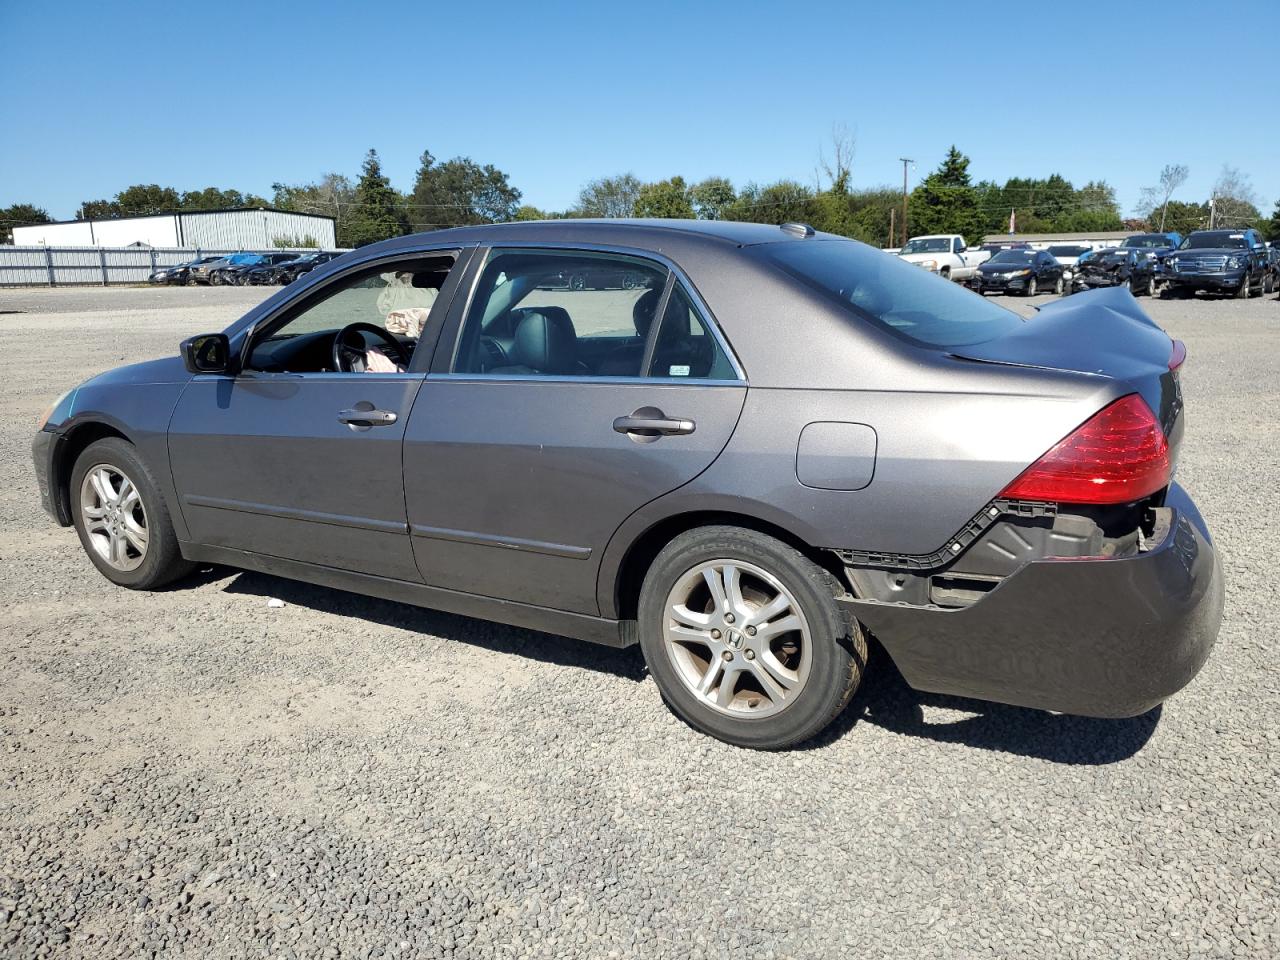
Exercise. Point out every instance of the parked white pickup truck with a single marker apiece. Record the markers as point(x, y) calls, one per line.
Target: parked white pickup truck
point(945, 255)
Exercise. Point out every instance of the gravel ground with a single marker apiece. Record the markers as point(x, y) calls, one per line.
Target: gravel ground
point(195, 773)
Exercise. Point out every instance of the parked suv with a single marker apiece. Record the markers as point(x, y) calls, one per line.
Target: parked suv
point(1222, 261)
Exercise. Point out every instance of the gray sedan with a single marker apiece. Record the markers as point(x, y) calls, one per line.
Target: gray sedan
point(768, 448)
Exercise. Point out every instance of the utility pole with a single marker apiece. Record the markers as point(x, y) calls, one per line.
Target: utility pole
point(893, 211)
point(905, 161)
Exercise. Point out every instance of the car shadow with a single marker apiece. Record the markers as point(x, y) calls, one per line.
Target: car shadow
point(885, 700)
point(627, 664)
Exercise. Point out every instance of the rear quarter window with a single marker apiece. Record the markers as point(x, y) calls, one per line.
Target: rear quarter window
point(892, 294)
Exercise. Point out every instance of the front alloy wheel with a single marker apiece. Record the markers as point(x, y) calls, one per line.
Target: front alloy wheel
point(114, 518)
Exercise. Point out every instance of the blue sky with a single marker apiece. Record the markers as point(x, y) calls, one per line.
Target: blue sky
point(98, 96)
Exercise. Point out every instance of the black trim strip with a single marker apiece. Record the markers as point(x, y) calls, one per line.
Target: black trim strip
point(507, 543)
point(610, 633)
point(293, 513)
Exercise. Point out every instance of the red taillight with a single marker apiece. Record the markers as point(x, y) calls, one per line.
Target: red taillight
point(1179, 355)
point(1118, 455)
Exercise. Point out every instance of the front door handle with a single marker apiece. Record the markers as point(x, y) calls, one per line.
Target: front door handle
point(366, 417)
point(649, 423)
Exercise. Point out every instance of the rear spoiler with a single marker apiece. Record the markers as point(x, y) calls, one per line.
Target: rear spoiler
point(1103, 332)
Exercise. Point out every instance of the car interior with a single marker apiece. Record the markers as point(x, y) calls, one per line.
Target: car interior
point(528, 327)
point(525, 321)
point(335, 332)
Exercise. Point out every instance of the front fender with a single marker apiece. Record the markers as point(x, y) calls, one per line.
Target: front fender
point(139, 412)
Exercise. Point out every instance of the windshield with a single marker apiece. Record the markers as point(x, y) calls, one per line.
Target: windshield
point(1016, 257)
point(893, 294)
point(928, 245)
point(1212, 239)
point(1067, 251)
point(1147, 241)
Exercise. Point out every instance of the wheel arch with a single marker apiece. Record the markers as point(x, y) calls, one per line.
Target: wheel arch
point(71, 444)
point(620, 585)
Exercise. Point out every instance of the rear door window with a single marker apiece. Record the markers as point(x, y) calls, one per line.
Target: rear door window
point(685, 347)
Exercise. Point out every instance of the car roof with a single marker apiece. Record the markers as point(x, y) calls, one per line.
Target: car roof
point(639, 233)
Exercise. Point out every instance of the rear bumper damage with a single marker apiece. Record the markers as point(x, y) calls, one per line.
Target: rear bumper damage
point(1089, 636)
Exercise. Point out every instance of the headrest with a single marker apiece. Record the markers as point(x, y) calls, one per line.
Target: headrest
point(643, 310)
point(546, 341)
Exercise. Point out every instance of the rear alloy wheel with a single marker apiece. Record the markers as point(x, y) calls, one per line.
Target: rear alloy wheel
point(745, 639)
point(1057, 287)
point(122, 519)
point(1032, 287)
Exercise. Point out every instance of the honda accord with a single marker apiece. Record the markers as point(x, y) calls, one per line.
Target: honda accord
point(770, 447)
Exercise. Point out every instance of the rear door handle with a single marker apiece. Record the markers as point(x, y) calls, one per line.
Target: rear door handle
point(651, 423)
point(357, 417)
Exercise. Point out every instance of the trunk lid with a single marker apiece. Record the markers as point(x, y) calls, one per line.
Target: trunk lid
point(1101, 333)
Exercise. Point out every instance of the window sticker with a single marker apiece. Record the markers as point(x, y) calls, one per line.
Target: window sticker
point(680, 370)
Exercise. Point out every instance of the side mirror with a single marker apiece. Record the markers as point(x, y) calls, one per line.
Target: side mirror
point(207, 353)
point(960, 247)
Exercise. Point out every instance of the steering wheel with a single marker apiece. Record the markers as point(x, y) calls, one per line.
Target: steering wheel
point(350, 358)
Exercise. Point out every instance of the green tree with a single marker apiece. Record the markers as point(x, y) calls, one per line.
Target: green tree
point(608, 197)
point(1235, 201)
point(333, 195)
point(144, 198)
point(378, 209)
point(458, 192)
point(870, 213)
point(211, 198)
point(1184, 217)
point(666, 198)
point(135, 201)
point(98, 210)
point(529, 212)
point(20, 215)
point(785, 201)
point(1271, 228)
point(711, 197)
point(947, 202)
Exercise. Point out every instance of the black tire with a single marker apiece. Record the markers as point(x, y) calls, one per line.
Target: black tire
point(1268, 284)
point(838, 649)
point(163, 562)
point(945, 273)
point(1057, 287)
point(1032, 288)
point(1245, 290)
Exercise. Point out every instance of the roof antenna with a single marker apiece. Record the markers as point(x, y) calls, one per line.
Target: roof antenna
point(797, 229)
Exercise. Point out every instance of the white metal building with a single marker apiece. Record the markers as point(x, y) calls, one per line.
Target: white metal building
point(255, 229)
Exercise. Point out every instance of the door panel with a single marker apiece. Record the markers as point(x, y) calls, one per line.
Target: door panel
point(262, 463)
point(514, 486)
